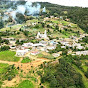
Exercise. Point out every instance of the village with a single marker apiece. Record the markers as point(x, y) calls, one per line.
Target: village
point(45, 44)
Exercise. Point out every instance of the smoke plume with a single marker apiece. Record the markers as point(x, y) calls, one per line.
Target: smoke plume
point(28, 8)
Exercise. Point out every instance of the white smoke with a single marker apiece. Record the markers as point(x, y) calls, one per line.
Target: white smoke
point(44, 9)
point(21, 9)
point(9, 10)
point(32, 10)
point(27, 8)
point(13, 14)
point(6, 17)
point(28, 3)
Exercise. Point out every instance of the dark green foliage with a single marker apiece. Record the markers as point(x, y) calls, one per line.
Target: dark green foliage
point(1, 24)
point(77, 15)
point(4, 41)
point(62, 75)
point(84, 39)
point(86, 63)
point(19, 42)
point(20, 18)
point(0, 84)
point(64, 52)
point(9, 73)
point(86, 73)
point(3, 48)
point(26, 33)
point(58, 48)
point(7, 33)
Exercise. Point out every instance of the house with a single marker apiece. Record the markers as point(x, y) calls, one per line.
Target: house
point(79, 47)
point(57, 54)
point(46, 19)
point(42, 49)
point(27, 45)
point(34, 23)
point(44, 42)
point(64, 47)
point(82, 52)
point(21, 52)
point(50, 47)
point(34, 53)
point(38, 44)
point(53, 42)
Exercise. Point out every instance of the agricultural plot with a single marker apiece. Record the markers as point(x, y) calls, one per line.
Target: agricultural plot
point(8, 56)
point(26, 60)
point(26, 84)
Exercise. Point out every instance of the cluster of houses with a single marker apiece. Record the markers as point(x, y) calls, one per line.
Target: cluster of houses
point(43, 45)
point(82, 52)
point(71, 43)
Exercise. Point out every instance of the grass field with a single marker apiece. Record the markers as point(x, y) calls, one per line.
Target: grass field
point(3, 67)
point(8, 56)
point(45, 56)
point(26, 84)
point(85, 67)
point(26, 60)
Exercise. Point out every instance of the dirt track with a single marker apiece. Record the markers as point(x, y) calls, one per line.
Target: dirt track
point(26, 67)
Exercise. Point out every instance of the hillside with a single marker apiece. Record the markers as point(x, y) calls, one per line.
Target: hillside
point(77, 15)
point(43, 45)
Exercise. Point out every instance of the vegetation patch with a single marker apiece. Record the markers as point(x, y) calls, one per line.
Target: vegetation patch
point(26, 60)
point(8, 56)
point(45, 56)
point(62, 75)
point(7, 72)
point(26, 84)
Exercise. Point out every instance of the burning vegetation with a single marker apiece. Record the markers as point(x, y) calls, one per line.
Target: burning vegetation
point(17, 11)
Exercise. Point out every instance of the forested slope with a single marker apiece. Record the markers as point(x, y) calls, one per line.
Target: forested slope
point(77, 15)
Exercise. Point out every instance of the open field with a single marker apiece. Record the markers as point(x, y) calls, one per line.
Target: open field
point(84, 66)
point(26, 60)
point(26, 84)
point(8, 56)
point(3, 67)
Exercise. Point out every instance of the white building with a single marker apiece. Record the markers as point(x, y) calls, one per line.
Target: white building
point(42, 36)
point(44, 42)
point(57, 54)
point(82, 52)
point(52, 42)
point(34, 53)
point(38, 44)
point(77, 45)
point(28, 45)
point(21, 52)
point(50, 47)
point(64, 47)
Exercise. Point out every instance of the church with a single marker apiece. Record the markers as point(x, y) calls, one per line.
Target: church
point(42, 36)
